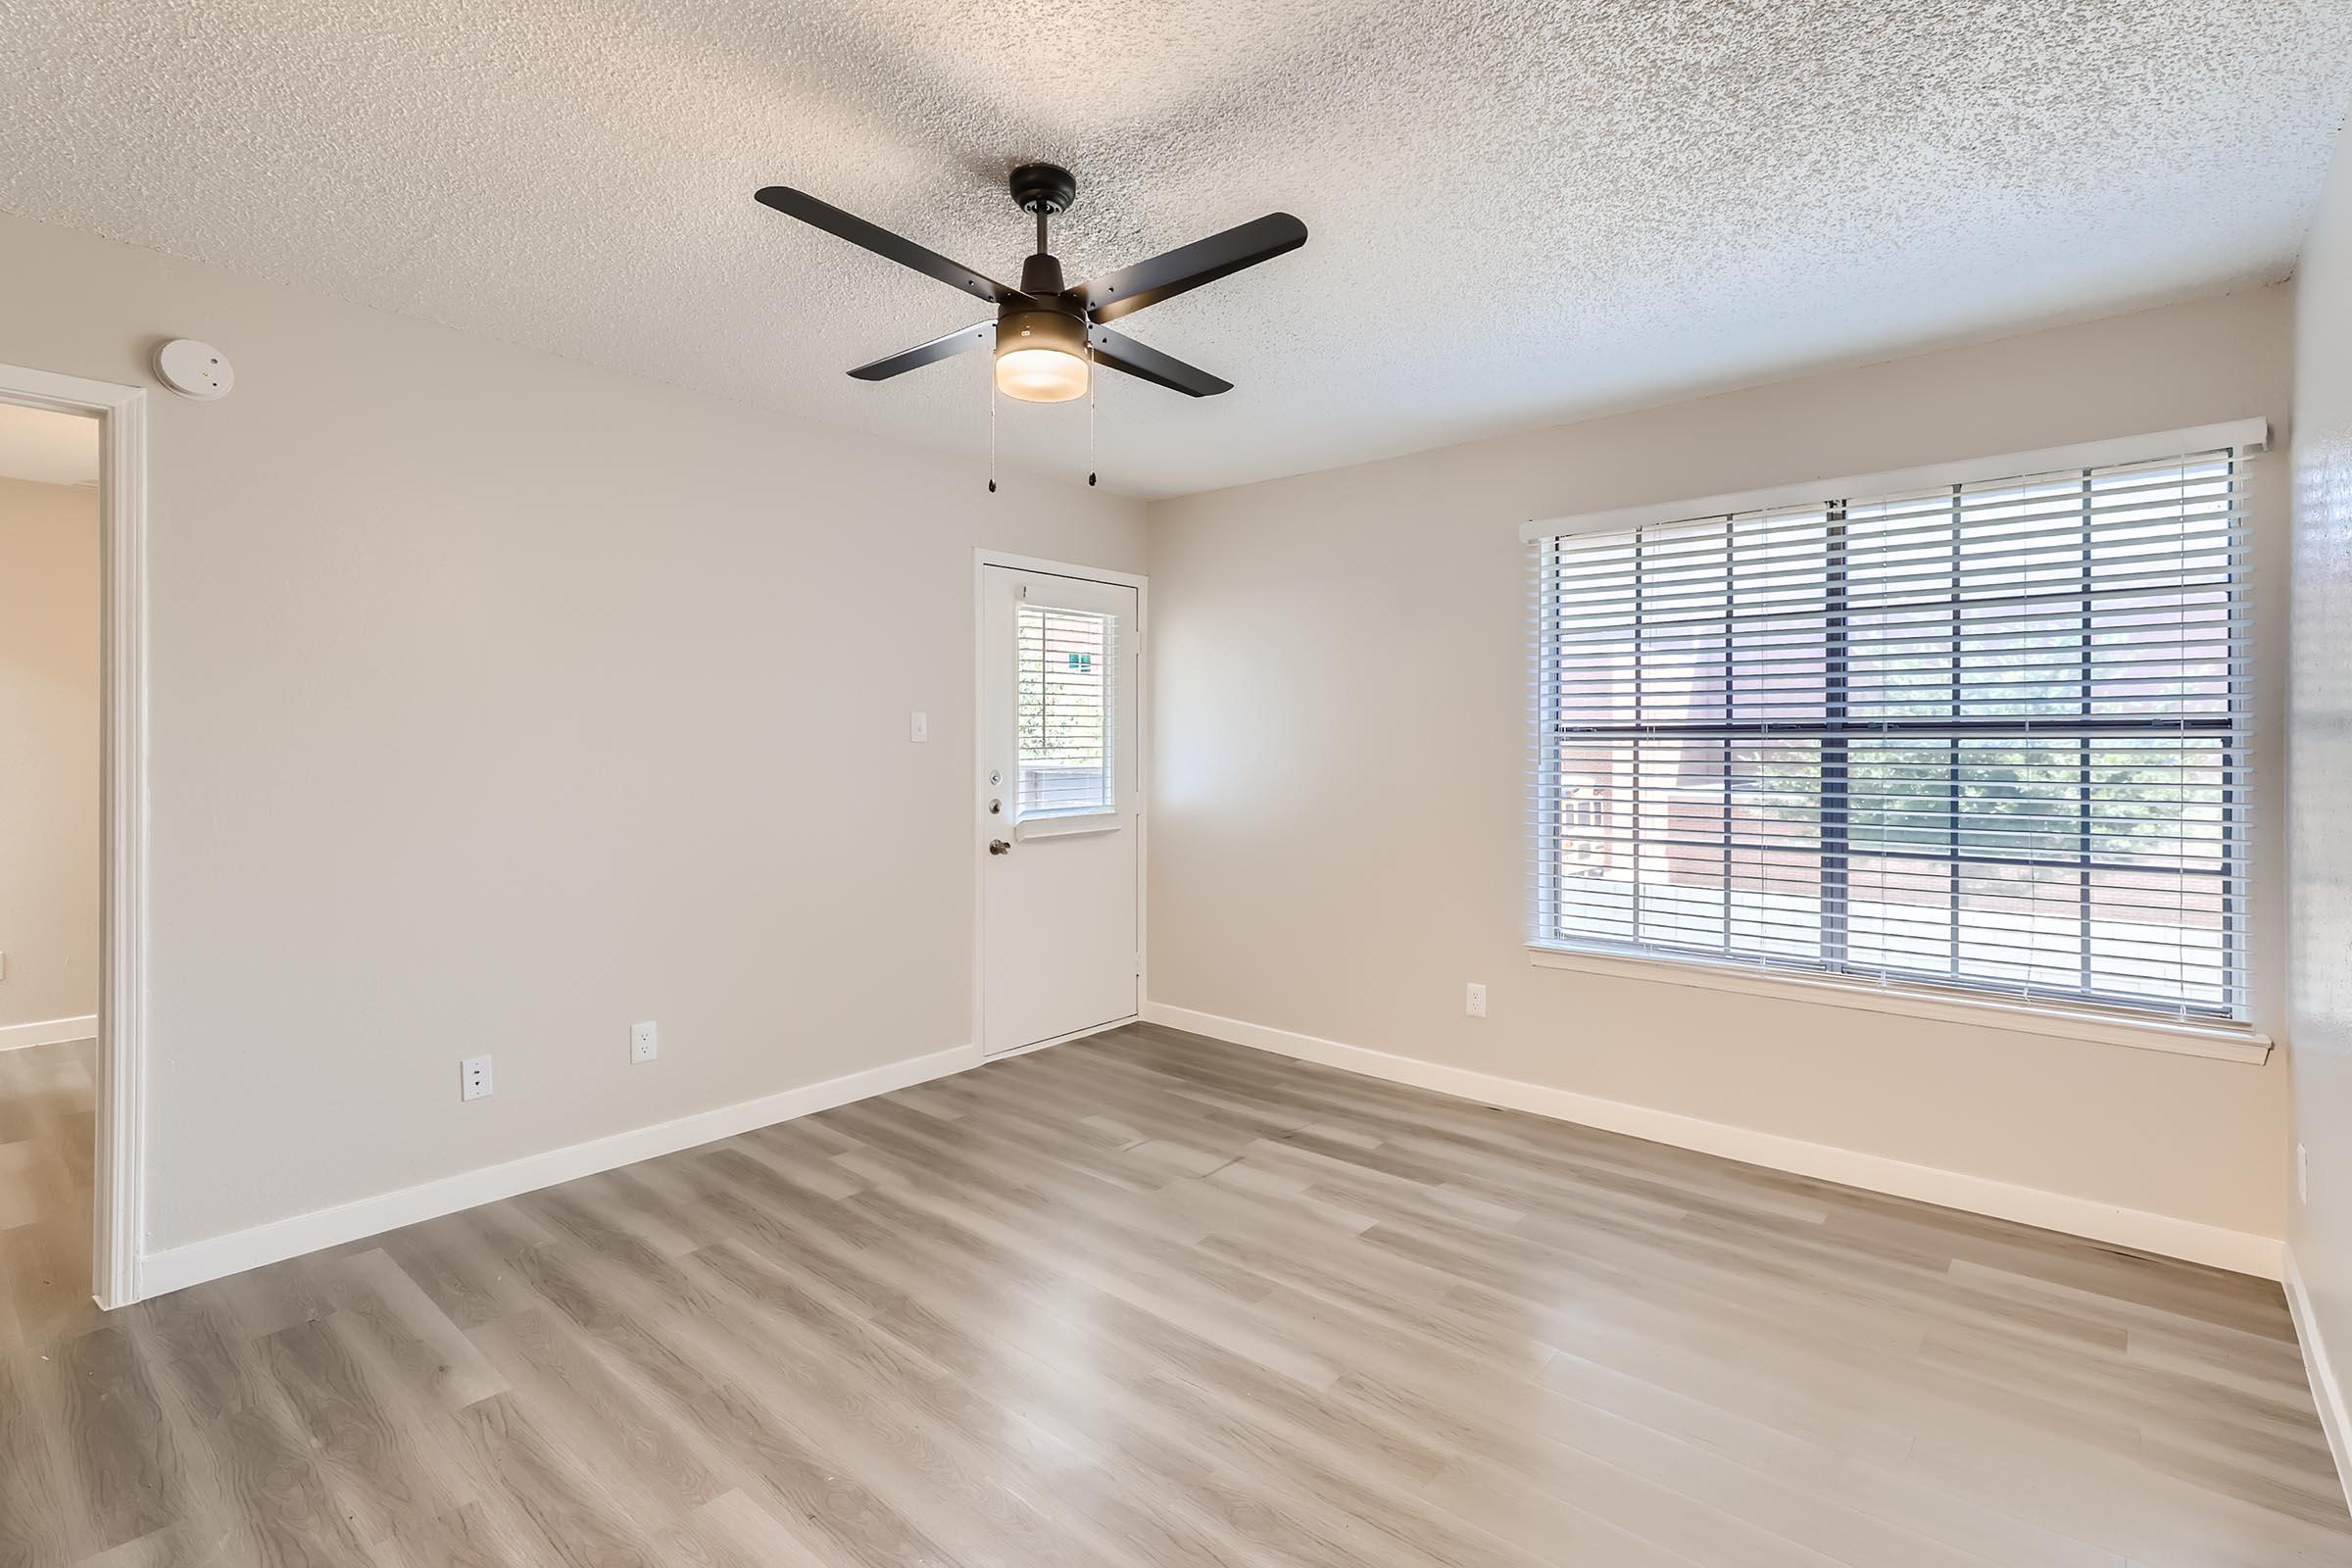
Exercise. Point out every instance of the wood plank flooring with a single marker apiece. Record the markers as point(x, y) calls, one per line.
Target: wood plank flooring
point(1142, 1301)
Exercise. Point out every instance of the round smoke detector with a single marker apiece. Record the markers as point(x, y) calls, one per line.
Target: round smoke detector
point(194, 369)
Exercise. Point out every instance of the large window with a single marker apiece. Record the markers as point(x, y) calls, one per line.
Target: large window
point(1989, 735)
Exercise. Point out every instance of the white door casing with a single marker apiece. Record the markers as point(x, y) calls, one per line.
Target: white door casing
point(1058, 791)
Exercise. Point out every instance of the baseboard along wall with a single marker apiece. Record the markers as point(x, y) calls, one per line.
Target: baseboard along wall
point(2239, 1251)
point(48, 1032)
point(2335, 1418)
point(175, 1268)
point(178, 1267)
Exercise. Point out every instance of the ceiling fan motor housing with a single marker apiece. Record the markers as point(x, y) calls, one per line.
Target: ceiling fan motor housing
point(1040, 329)
point(1045, 319)
point(1041, 276)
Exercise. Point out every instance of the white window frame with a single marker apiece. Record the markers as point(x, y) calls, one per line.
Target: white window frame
point(1096, 816)
point(2219, 1039)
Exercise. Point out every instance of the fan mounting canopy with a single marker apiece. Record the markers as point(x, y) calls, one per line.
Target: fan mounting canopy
point(1045, 189)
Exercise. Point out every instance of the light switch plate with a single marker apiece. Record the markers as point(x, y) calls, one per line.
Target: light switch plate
point(920, 728)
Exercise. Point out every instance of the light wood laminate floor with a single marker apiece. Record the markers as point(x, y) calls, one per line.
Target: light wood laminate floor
point(1148, 1300)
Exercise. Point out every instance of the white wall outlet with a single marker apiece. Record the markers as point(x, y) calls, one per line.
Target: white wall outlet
point(919, 728)
point(3, 966)
point(645, 1041)
point(1474, 1001)
point(473, 1078)
point(2302, 1174)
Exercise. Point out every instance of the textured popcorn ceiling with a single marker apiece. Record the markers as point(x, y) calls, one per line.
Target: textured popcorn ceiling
point(1522, 209)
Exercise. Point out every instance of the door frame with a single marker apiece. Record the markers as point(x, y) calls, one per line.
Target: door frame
point(981, 560)
point(118, 1174)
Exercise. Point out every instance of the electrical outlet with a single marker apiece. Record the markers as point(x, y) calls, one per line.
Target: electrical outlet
point(920, 728)
point(1475, 1001)
point(2302, 1174)
point(3, 966)
point(473, 1078)
point(645, 1041)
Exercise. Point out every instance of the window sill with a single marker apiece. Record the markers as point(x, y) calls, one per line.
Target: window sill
point(2219, 1041)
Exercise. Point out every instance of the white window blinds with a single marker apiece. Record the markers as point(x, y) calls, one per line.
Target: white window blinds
point(1064, 703)
point(1993, 735)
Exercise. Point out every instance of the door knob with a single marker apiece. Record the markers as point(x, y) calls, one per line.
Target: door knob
point(999, 847)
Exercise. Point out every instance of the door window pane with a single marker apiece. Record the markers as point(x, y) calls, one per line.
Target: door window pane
point(1064, 662)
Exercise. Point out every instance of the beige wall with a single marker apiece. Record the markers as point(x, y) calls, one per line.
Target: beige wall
point(499, 702)
point(2320, 789)
point(1340, 812)
point(48, 751)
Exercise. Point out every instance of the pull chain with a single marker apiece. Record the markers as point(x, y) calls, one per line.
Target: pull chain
point(992, 430)
point(1094, 379)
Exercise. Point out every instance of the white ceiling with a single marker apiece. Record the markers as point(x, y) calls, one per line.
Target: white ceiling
point(47, 448)
point(1522, 209)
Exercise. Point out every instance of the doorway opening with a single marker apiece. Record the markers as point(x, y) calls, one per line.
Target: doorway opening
point(49, 696)
point(72, 733)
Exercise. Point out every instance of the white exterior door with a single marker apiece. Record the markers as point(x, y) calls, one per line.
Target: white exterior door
point(1059, 822)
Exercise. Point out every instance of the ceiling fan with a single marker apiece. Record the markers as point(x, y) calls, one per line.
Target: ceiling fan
point(1044, 332)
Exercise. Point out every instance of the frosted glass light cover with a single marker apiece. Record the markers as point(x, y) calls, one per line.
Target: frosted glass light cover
point(1041, 375)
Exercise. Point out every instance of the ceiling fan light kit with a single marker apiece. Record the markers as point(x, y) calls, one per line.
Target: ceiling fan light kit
point(1041, 356)
point(1047, 338)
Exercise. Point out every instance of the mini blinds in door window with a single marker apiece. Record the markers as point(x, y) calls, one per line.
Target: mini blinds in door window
point(1993, 736)
point(1064, 665)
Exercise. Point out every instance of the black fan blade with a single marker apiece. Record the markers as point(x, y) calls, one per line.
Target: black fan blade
point(882, 242)
point(962, 340)
point(1122, 353)
point(1188, 266)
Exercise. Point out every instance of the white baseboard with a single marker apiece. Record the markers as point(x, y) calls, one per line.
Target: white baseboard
point(48, 1032)
point(2335, 1418)
point(214, 1257)
point(2236, 1251)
